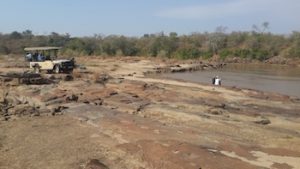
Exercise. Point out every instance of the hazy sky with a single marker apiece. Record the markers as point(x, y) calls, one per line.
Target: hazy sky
point(136, 17)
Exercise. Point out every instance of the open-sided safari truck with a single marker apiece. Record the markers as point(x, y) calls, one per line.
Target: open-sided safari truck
point(45, 58)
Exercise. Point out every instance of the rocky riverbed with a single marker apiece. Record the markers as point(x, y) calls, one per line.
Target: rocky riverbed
point(113, 113)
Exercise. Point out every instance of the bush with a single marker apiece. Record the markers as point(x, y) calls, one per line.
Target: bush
point(294, 52)
point(225, 53)
point(187, 53)
point(162, 53)
point(119, 53)
point(251, 45)
point(71, 53)
point(207, 54)
point(260, 55)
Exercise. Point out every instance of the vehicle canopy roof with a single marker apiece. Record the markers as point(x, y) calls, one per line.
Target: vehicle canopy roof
point(42, 48)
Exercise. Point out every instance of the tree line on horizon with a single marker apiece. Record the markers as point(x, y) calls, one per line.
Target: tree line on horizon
point(256, 44)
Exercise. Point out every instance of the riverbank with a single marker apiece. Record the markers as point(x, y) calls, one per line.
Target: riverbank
point(276, 60)
point(113, 112)
point(281, 79)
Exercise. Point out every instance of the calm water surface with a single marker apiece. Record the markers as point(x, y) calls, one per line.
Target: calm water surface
point(271, 78)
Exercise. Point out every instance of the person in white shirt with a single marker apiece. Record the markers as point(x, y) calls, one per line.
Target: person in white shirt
point(29, 57)
point(216, 81)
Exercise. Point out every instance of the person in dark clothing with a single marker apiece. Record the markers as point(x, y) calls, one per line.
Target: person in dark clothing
point(213, 80)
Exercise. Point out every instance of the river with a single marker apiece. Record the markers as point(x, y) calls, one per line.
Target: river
point(271, 78)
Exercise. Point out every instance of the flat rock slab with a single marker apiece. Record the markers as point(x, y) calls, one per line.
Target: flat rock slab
point(87, 112)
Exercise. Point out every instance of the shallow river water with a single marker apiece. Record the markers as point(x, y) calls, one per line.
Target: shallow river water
point(271, 78)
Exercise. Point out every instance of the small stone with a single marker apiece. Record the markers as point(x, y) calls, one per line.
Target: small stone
point(98, 102)
point(57, 110)
point(216, 111)
point(72, 98)
point(264, 121)
point(95, 164)
point(86, 102)
point(222, 106)
point(69, 78)
point(113, 93)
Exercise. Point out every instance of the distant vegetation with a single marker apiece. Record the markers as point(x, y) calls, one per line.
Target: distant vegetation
point(257, 44)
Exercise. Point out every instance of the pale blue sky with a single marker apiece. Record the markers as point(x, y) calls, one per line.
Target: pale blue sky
point(137, 17)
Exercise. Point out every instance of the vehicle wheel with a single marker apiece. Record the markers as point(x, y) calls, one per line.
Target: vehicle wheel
point(56, 69)
point(36, 70)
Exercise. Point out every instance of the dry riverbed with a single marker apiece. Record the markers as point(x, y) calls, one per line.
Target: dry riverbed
point(113, 113)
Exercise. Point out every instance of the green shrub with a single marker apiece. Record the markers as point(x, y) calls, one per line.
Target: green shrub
point(206, 54)
point(260, 55)
point(162, 53)
point(243, 53)
point(225, 53)
point(187, 53)
point(294, 53)
point(250, 45)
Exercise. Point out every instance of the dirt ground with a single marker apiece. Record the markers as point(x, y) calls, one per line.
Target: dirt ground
point(108, 114)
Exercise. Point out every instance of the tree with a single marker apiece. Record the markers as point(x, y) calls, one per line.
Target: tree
point(27, 34)
point(173, 34)
point(217, 39)
point(256, 44)
point(15, 35)
point(264, 27)
point(294, 51)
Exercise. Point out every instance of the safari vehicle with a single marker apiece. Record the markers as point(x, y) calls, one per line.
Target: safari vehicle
point(45, 58)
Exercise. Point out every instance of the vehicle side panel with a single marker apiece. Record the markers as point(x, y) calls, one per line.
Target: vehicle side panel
point(46, 65)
